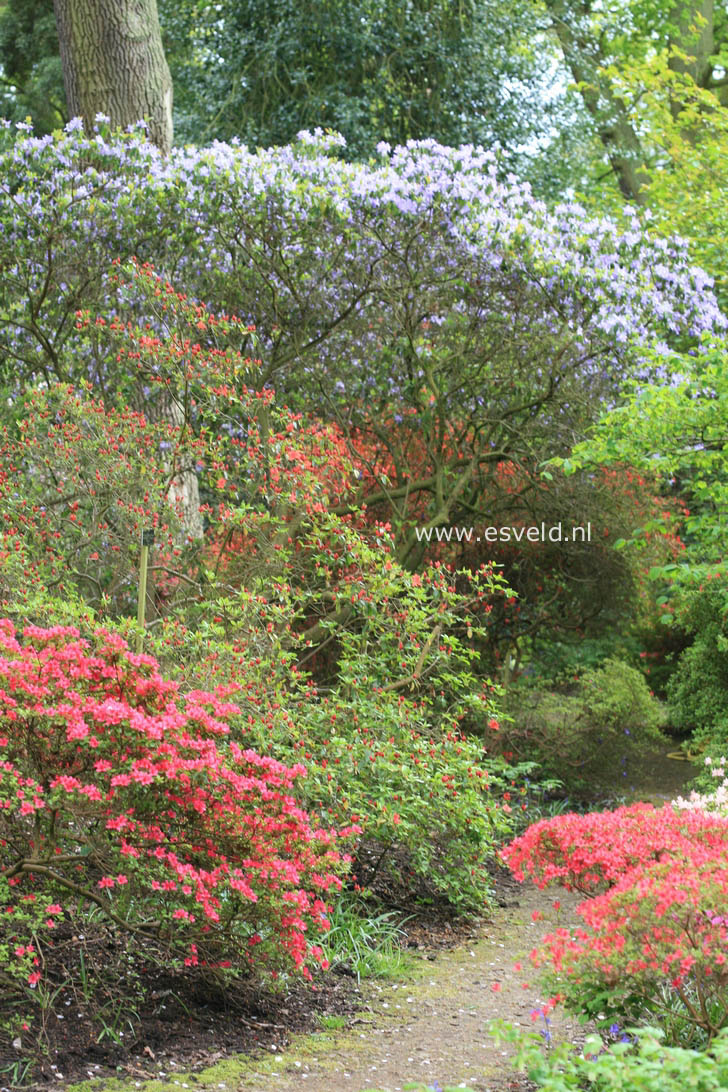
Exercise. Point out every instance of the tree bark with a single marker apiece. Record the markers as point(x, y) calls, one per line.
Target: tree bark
point(184, 489)
point(114, 64)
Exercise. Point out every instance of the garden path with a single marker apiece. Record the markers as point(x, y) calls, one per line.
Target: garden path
point(432, 1027)
point(435, 1029)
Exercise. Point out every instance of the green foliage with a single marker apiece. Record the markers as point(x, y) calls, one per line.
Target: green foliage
point(698, 689)
point(639, 1062)
point(685, 127)
point(32, 81)
point(372, 71)
point(676, 431)
point(586, 732)
point(617, 696)
point(366, 943)
point(650, 76)
point(261, 72)
point(430, 794)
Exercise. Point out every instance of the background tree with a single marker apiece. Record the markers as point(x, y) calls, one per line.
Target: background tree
point(474, 71)
point(263, 70)
point(686, 169)
point(600, 46)
point(32, 80)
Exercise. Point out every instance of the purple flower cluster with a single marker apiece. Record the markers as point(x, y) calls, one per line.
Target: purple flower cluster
point(367, 282)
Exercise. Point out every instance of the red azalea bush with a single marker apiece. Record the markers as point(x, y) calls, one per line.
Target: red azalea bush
point(590, 853)
point(124, 802)
point(656, 938)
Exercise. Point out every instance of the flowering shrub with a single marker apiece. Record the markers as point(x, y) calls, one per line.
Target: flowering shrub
point(714, 801)
point(124, 801)
point(432, 807)
point(378, 725)
point(93, 478)
point(657, 936)
point(593, 852)
point(418, 289)
point(341, 657)
point(451, 328)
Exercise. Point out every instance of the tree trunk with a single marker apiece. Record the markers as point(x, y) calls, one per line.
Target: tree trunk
point(184, 489)
point(694, 25)
point(114, 64)
point(620, 141)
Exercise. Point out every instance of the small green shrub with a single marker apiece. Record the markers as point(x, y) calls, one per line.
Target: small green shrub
point(585, 735)
point(638, 1062)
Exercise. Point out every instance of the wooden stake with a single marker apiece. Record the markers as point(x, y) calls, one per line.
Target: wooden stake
point(147, 541)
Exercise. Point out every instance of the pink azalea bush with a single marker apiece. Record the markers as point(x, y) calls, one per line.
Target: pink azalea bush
point(590, 853)
point(655, 940)
point(124, 799)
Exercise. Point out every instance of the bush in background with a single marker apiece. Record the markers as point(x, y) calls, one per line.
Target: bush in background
point(697, 692)
point(587, 733)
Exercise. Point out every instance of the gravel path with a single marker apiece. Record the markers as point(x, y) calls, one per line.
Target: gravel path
point(436, 1029)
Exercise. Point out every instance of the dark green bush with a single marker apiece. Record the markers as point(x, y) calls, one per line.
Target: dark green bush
point(585, 734)
point(697, 692)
